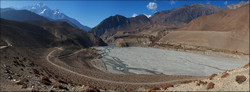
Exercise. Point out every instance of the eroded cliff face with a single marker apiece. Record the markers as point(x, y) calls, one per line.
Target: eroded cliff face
point(134, 40)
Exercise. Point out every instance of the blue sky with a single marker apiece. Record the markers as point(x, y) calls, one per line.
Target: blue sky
point(91, 13)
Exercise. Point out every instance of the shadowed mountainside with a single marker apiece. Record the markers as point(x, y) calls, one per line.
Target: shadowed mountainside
point(25, 35)
point(20, 15)
point(120, 25)
point(66, 34)
point(45, 34)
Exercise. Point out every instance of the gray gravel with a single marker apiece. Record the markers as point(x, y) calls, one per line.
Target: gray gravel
point(144, 60)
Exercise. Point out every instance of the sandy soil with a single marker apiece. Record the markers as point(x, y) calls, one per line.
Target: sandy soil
point(227, 83)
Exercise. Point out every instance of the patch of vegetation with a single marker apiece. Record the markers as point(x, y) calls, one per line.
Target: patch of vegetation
point(224, 75)
point(62, 81)
point(167, 86)
point(153, 88)
point(210, 85)
point(212, 76)
point(246, 66)
point(201, 83)
point(186, 82)
point(240, 79)
point(46, 81)
point(60, 87)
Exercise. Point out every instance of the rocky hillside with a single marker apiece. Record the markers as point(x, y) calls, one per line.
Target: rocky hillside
point(227, 20)
point(67, 35)
point(183, 15)
point(120, 25)
point(134, 40)
point(45, 34)
point(23, 46)
point(159, 23)
point(230, 80)
point(225, 31)
point(20, 34)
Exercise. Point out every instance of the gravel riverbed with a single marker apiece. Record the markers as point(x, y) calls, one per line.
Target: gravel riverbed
point(146, 60)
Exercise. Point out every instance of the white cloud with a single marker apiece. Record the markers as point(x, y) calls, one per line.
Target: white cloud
point(172, 2)
point(134, 15)
point(152, 6)
point(147, 15)
point(225, 2)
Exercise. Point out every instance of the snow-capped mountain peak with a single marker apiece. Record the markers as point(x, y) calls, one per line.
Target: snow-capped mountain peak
point(54, 14)
point(56, 11)
point(42, 12)
point(40, 4)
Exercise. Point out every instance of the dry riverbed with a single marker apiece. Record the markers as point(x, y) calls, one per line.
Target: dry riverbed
point(145, 60)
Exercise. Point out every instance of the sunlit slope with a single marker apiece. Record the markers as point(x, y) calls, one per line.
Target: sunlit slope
point(225, 30)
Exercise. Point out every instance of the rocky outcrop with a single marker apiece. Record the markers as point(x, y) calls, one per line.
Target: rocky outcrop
point(133, 40)
point(236, 80)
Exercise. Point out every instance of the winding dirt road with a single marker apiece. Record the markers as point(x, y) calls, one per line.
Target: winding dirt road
point(109, 81)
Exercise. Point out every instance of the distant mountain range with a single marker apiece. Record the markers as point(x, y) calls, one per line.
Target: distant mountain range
point(20, 15)
point(54, 14)
point(175, 18)
point(235, 6)
point(161, 20)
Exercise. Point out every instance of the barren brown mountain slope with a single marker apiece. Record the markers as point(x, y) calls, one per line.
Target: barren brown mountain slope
point(163, 20)
point(21, 46)
point(183, 15)
point(68, 35)
point(227, 30)
point(227, 20)
point(32, 63)
point(120, 25)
